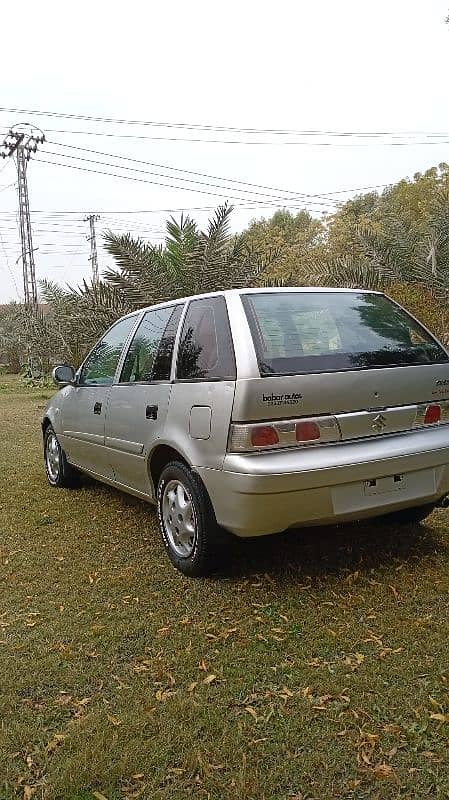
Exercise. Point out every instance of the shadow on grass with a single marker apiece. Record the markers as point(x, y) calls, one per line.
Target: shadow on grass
point(319, 552)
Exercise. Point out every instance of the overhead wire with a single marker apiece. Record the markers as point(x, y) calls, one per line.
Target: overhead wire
point(223, 194)
point(222, 128)
point(187, 180)
point(192, 172)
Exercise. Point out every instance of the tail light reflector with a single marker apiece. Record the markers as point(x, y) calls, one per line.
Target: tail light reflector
point(433, 414)
point(307, 431)
point(276, 434)
point(264, 436)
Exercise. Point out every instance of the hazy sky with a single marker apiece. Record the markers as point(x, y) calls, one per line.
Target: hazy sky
point(347, 66)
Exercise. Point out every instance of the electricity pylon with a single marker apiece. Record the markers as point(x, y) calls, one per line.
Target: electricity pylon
point(21, 141)
point(93, 258)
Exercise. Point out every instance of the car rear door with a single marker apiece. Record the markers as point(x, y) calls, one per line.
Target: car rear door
point(139, 398)
point(355, 355)
point(85, 405)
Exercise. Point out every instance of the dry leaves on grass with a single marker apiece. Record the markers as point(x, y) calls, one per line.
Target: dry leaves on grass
point(440, 717)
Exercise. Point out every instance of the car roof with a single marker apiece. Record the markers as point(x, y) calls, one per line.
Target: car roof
point(259, 290)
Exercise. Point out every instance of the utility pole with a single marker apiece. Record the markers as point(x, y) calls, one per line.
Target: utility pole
point(21, 141)
point(93, 258)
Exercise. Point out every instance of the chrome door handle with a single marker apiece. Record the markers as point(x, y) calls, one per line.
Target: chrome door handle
point(97, 408)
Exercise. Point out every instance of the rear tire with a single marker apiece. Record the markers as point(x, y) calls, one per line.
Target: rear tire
point(60, 473)
point(409, 516)
point(195, 543)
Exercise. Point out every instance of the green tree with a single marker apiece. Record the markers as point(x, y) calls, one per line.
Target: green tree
point(290, 243)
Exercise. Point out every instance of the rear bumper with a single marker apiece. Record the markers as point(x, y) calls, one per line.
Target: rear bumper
point(263, 493)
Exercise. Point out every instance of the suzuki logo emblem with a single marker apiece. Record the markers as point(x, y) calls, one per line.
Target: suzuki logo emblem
point(379, 423)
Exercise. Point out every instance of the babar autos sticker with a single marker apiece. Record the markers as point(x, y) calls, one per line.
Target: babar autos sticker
point(441, 387)
point(282, 399)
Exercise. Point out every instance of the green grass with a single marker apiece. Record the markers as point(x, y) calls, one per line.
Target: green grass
point(329, 651)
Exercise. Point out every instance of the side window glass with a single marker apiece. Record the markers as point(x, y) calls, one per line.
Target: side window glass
point(205, 349)
point(100, 366)
point(164, 355)
point(150, 352)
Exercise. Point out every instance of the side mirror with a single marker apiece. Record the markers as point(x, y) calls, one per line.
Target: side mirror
point(63, 375)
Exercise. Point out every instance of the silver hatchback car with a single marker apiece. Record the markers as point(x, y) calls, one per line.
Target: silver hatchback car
point(252, 411)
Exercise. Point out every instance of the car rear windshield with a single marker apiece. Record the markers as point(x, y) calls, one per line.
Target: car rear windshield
point(298, 332)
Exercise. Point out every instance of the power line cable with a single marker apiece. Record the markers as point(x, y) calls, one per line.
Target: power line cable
point(244, 141)
point(223, 194)
point(200, 126)
point(192, 172)
point(187, 180)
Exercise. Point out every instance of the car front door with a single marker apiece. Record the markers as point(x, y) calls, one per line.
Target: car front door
point(85, 405)
point(139, 397)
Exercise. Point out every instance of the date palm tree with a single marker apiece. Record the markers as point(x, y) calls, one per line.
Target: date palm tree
point(190, 261)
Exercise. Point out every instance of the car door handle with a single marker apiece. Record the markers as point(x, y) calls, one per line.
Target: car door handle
point(97, 408)
point(151, 412)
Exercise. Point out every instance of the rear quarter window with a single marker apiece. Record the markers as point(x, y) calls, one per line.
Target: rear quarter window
point(297, 332)
point(205, 349)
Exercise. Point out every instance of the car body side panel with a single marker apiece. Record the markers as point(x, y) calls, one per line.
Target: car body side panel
point(216, 395)
point(135, 421)
point(83, 414)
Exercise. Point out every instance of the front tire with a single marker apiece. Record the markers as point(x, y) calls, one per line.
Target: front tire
point(194, 542)
point(60, 473)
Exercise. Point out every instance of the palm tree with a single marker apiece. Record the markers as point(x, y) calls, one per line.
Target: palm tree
point(190, 262)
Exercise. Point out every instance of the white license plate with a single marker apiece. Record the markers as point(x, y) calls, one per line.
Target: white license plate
point(383, 491)
point(393, 483)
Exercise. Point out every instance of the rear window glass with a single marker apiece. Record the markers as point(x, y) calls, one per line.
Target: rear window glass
point(296, 332)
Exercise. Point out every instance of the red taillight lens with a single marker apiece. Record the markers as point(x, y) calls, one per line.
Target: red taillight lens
point(307, 431)
point(264, 436)
point(433, 414)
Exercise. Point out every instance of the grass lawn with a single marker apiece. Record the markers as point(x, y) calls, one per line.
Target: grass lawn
point(316, 667)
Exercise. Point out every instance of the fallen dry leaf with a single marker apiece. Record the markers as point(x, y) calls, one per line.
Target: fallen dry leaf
point(55, 742)
point(209, 678)
point(115, 720)
point(384, 771)
point(164, 694)
point(440, 717)
point(251, 711)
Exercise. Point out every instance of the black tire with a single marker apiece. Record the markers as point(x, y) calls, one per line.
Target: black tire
point(210, 544)
point(409, 516)
point(60, 473)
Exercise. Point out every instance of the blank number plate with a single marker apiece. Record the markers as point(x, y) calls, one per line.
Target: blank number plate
point(393, 483)
point(383, 491)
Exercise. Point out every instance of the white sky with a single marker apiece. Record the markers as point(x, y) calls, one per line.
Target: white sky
point(323, 65)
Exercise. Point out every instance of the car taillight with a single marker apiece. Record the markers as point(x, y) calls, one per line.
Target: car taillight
point(264, 436)
point(276, 434)
point(307, 431)
point(433, 414)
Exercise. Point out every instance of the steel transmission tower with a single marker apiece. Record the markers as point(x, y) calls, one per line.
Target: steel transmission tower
point(21, 141)
point(93, 258)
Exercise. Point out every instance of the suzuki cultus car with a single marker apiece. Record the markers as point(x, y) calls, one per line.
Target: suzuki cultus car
point(248, 412)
